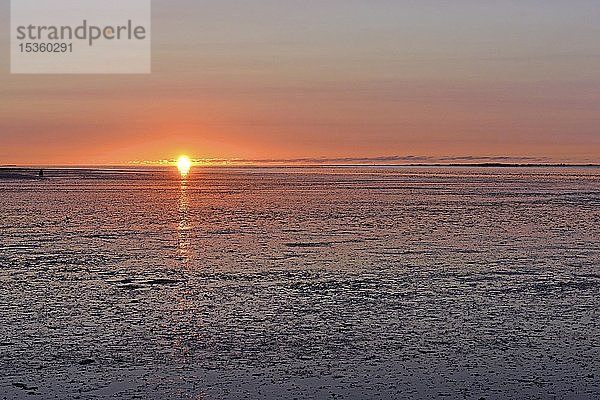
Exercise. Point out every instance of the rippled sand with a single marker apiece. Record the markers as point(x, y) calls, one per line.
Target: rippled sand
point(352, 283)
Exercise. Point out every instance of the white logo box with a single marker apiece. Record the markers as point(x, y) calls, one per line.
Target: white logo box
point(80, 36)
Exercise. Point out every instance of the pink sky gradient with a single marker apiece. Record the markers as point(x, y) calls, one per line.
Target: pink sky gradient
point(335, 79)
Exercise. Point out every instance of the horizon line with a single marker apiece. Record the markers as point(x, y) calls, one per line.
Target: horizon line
point(389, 160)
point(298, 165)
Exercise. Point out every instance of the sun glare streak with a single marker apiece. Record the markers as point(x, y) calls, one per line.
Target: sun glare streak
point(184, 164)
point(184, 224)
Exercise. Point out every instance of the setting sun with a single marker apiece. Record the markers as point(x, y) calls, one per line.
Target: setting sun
point(184, 164)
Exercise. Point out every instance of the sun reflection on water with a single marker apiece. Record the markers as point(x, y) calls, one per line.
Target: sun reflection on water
point(183, 226)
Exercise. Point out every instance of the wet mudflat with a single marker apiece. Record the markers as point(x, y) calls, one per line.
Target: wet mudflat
point(334, 283)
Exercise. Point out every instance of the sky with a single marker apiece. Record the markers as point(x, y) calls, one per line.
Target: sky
point(336, 80)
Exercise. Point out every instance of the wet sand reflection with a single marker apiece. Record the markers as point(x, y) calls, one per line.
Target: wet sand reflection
point(183, 226)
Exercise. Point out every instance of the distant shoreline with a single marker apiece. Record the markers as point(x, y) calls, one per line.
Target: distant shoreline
point(266, 165)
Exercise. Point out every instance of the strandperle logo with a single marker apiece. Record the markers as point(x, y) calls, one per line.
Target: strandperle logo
point(85, 31)
point(80, 36)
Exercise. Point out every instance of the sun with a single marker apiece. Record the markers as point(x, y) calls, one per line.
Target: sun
point(184, 164)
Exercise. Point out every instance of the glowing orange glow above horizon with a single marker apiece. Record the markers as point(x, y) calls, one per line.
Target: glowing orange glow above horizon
point(184, 164)
point(341, 81)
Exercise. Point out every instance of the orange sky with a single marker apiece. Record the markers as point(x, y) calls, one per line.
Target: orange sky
point(336, 80)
